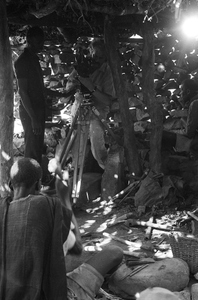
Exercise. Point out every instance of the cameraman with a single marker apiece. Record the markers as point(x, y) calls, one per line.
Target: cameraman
point(101, 87)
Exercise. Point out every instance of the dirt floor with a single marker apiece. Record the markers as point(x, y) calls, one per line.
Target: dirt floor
point(97, 218)
point(103, 223)
point(96, 221)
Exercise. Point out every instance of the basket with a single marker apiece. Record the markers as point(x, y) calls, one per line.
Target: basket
point(186, 248)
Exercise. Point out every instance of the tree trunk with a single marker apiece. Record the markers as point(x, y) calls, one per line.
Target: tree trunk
point(154, 107)
point(6, 102)
point(131, 152)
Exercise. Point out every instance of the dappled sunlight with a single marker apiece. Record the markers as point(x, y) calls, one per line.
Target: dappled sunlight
point(113, 218)
point(100, 209)
point(92, 248)
point(99, 232)
point(98, 245)
point(107, 210)
point(162, 255)
point(5, 188)
point(88, 224)
point(5, 155)
point(102, 227)
point(134, 247)
point(131, 245)
point(107, 206)
point(18, 129)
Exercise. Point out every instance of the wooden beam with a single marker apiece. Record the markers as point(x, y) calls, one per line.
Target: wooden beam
point(154, 107)
point(122, 95)
point(6, 103)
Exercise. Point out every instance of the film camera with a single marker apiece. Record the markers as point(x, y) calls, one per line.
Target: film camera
point(84, 62)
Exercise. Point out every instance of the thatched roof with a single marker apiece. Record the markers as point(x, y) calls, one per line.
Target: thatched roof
point(86, 17)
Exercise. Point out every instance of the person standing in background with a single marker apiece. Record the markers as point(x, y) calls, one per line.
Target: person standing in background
point(32, 91)
point(101, 86)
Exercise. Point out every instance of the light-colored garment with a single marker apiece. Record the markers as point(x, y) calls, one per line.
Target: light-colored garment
point(71, 239)
point(85, 282)
point(157, 293)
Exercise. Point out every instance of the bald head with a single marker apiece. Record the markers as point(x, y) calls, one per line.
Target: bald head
point(25, 172)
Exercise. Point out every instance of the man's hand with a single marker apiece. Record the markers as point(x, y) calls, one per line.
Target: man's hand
point(63, 189)
point(36, 127)
point(62, 182)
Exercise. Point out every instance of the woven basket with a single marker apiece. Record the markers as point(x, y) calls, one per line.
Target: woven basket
point(186, 248)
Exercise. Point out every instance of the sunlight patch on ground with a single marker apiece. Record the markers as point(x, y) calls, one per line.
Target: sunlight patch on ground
point(163, 255)
point(113, 219)
point(88, 224)
point(96, 200)
point(107, 206)
point(92, 248)
point(82, 230)
point(107, 210)
point(133, 248)
point(102, 227)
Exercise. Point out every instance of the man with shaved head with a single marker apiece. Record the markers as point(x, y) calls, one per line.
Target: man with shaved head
point(33, 231)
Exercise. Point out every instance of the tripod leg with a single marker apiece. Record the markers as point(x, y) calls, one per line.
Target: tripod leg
point(69, 146)
point(83, 134)
point(79, 99)
point(67, 140)
point(76, 163)
point(78, 185)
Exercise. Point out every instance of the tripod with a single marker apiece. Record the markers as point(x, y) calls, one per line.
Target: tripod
point(83, 110)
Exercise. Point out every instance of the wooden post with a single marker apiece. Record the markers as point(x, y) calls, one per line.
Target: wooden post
point(130, 148)
point(6, 102)
point(154, 107)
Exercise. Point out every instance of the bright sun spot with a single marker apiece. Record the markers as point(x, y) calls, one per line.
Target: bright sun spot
point(190, 26)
